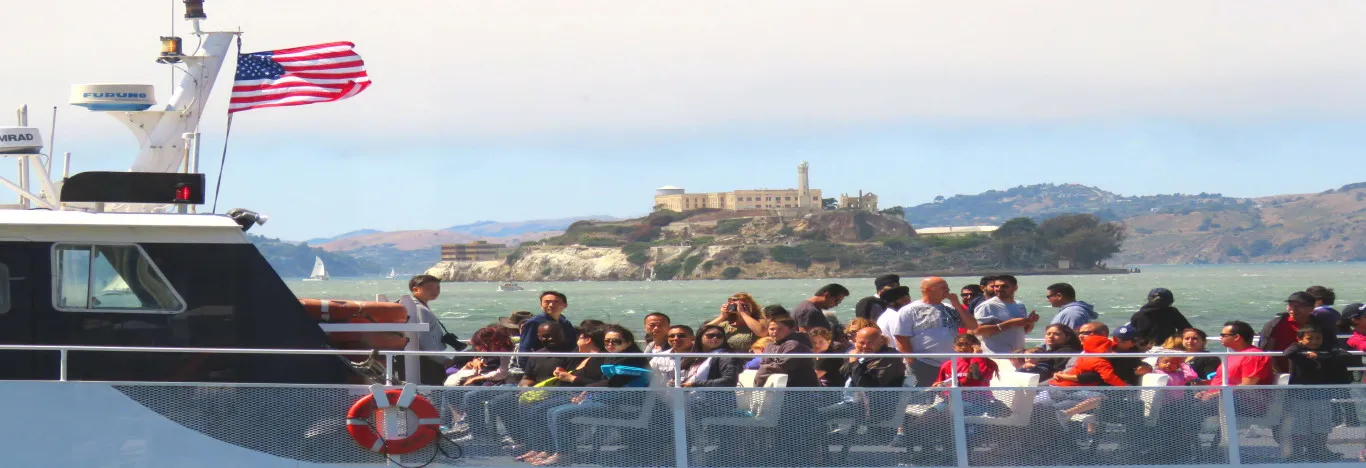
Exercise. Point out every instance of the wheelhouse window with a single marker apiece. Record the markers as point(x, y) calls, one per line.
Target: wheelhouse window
point(4, 289)
point(110, 278)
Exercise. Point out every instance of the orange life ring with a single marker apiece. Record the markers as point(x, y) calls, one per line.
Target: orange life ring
point(331, 310)
point(428, 420)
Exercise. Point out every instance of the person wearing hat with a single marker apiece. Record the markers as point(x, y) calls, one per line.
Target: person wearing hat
point(1280, 332)
point(515, 320)
point(1130, 370)
point(1355, 315)
point(1157, 321)
point(872, 307)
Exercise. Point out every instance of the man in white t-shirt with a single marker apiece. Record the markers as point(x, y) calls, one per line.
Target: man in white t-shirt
point(1003, 323)
point(927, 326)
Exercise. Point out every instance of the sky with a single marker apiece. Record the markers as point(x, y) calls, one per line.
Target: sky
point(518, 110)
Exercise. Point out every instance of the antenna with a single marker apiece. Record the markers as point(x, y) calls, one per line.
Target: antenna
point(51, 141)
point(173, 35)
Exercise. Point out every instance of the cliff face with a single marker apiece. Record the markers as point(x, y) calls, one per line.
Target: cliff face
point(546, 264)
point(572, 263)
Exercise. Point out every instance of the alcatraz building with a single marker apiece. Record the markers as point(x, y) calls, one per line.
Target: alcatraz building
point(477, 251)
point(799, 200)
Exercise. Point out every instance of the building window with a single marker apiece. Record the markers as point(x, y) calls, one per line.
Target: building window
point(787, 198)
point(110, 278)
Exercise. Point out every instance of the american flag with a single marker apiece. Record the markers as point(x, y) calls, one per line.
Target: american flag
point(297, 76)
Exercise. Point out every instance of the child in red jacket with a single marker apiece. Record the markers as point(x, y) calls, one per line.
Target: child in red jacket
point(974, 371)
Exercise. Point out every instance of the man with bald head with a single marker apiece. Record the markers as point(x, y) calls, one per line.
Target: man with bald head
point(927, 326)
point(865, 370)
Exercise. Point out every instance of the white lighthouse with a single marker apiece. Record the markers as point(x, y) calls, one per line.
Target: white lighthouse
point(804, 202)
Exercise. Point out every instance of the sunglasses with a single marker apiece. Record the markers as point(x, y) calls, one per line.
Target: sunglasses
point(614, 341)
point(1090, 332)
point(677, 335)
point(712, 336)
point(1226, 335)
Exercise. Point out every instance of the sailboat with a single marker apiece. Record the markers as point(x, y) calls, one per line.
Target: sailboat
point(391, 274)
point(319, 271)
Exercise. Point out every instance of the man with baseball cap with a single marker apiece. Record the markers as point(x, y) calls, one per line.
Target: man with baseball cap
point(1279, 333)
point(872, 307)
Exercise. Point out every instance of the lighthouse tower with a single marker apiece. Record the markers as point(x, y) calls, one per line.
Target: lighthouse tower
point(804, 202)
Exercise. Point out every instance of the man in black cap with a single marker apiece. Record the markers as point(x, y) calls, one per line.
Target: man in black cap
point(1279, 333)
point(872, 307)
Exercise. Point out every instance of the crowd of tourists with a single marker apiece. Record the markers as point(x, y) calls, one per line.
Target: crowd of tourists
point(979, 321)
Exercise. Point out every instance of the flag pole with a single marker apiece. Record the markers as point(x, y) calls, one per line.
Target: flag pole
point(222, 160)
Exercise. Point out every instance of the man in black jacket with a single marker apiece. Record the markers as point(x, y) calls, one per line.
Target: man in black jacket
point(864, 370)
point(872, 307)
point(1279, 332)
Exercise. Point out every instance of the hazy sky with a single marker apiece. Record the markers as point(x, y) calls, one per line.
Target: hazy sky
point(515, 110)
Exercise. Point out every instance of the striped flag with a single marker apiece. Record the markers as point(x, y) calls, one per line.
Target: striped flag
point(297, 76)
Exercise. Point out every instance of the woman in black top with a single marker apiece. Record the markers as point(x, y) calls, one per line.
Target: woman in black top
point(578, 371)
point(617, 339)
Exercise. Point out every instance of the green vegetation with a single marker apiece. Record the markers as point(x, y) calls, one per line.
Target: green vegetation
point(691, 264)
point(599, 242)
point(731, 226)
point(666, 271)
point(708, 265)
point(731, 272)
point(1081, 238)
point(752, 255)
point(701, 241)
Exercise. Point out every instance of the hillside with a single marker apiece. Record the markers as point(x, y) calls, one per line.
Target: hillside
point(416, 250)
point(1201, 228)
point(295, 260)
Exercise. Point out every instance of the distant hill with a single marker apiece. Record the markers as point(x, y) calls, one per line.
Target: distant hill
point(295, 260)
point(417, 250)
point(324, 240)
point(1181, 228)
point(497, 229)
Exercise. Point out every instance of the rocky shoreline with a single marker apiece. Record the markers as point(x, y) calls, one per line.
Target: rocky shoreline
point(579, 263)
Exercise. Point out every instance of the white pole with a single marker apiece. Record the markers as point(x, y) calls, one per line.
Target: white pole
point(23, 163)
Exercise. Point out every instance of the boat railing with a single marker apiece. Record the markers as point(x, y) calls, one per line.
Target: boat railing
point(1014, 421)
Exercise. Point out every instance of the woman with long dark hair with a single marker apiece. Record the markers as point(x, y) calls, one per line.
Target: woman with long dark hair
point(617, 339)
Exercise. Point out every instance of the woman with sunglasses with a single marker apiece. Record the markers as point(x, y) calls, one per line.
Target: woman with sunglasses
point(580, 371)
point(617, 339)
point(712, 371)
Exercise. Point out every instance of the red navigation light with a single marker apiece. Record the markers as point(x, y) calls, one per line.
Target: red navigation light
point(182, 193)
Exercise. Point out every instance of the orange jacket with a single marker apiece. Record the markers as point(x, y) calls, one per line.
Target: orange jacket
point(1093, 344)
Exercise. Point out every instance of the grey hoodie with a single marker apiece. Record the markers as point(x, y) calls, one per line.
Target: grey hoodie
point(1076, 314)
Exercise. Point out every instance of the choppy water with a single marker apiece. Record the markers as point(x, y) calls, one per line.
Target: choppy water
point(1207, 295)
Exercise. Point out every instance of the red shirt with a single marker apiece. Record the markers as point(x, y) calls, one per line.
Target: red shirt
point(1283, 336)
point(1245, 367)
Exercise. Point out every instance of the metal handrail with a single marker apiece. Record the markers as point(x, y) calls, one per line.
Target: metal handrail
point(342, 352)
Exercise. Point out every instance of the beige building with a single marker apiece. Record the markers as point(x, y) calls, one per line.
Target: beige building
point(800, 199)
point(863, 202)
point(477, 251)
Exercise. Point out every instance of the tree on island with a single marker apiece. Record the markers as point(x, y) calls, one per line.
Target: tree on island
point(1083, 239)
point(829, 204)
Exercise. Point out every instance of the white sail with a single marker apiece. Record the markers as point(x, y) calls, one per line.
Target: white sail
point(319, 270)
point(392, 274)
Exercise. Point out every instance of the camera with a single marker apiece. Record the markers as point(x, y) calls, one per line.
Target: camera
point(732, 308)
point(453, 341)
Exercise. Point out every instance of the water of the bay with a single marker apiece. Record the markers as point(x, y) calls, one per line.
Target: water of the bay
point(1208, 295)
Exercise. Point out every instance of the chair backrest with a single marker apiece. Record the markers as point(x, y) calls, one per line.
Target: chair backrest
point(1282, 379)
point(747, 378)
